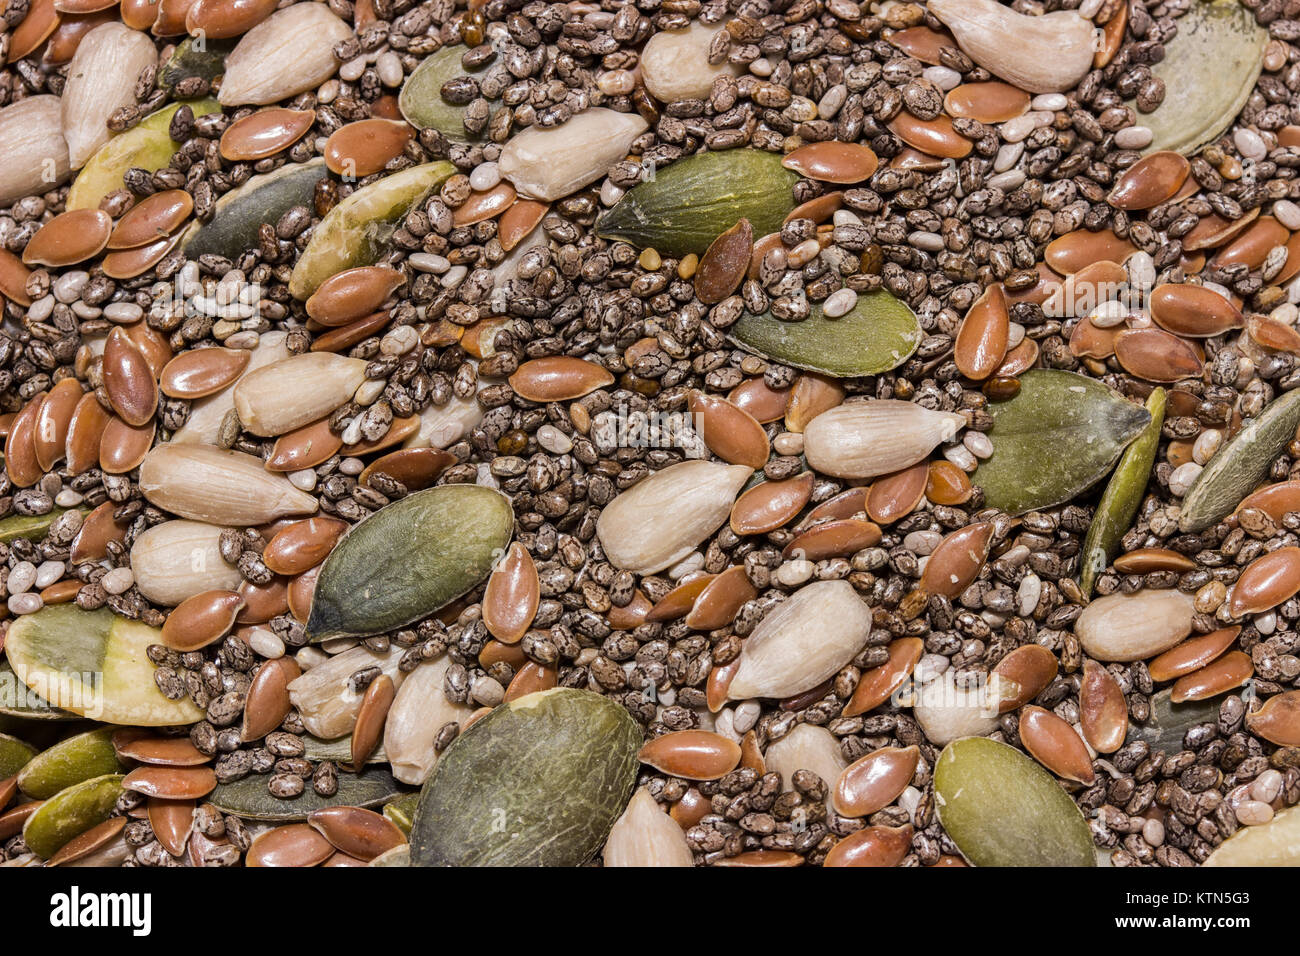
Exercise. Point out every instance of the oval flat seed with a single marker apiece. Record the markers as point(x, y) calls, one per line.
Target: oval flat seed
point(353, 294)
point(721, 599)
point(771, 504)
point(1153, 179)
point(512, 596)
point(172, 822)
point(369, 728)
point(84, 844)
point(935, 137)
point(296, 844)
point(1266, 582)
point(1250, 248)
point(981, 342)
point(20, 447)
point(1150, 560)
point(1054, 744)
point(416, 468)
point(304, 447)
point(365, 147)
point(202, 619)
point(97, 530)
point(731, 434)
point(874, 846)
point(753, 858)
point(128, 380)
point(725, 263)
point(946, 484)
point(1274, 500)
point(1155, 355)
point(172, 783)
point(1022, 675)
point(531, 678)
point(1020, 359)
point(820, 208)
point(53, 419)
point(1231, 670)
point(1076, 250)
point(832, 161)
point(558, 379)
point(267, 702)
point(763, 403)
point(129, 263)
point(957, 561)
point(832, 539)
point(265, 133)
point(222, 19)
point(263, 601)
point(1090, 287)
point(13, 820)
point(346, 336)
point(923, 43)
point(152, 219)
point(1103, 712)
point(69, 238)
point(811, 395)
point(1273, 334)
point(518, 222)
point(1193, 310)
point(678, 602)
point(691, 754)
point(158, 751)
point(877, 684)
point(875, 780)
point(360, 833)
point(990, 102)
point(85, 433)
point(1278, 722)
point(895, 496)
point(301, 545)
point(481, 206)
point(13, 279)
point(1192, 654)
point(41, 20)
point(202, 372)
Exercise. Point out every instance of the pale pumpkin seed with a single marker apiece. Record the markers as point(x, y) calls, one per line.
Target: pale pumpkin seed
point(249, 798)
point(1276, 843)
point(421, 100)
point(21, 702)
point(70, 762)
point(72, 812)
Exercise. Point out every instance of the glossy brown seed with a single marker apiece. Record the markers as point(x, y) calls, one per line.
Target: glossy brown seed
point(398, 432)
point(1266, 582)
point(1250, 248)
point(1089, 341)
point(221, 19)
point(529, 679)
point(152, 219)
point(296, 844)
point(301, 545)
point(811, 395)
point(20, 446)
point(991, 102)
point(1112, 37)
point(481, 206)
point(731, 434)
point(877, 684)
point(202, 372)
point(158, 751)
point(922, 43)
point(85, 431)
point(304, 447)
point(909, 158)
point(720, 601)
point(1153, 179)
point(359, 833)
point(69, 238)
point(1193, 310)
point(13, 279)
point(518, 222)
point(353, 294)
point(84, 844)
point(1103, 712)
point(873, 846)
point(678, 602)
point(957, 561)
point(763, 858)
point(129, 263)
point(1289, 137)
point(1055, 744)
point(631, 615)
point(416, 468)
point(371, 716)
point(72, 29)
point(819, 209)
point(263, 601)
point(1156, 355)
point(1278, 722)
point(833, 539)
point(172, 783)
point(724, 263)
point(365, 147)
point(122, 447)
point(1073, 251)
point(265, 133)
point(1274, 500)
point(874, 780)
point(53, 417)
point(97, 530)
point(336, 340)
point(128, 380)
point(1083, 291)
point(690, 809)
point(1213, 231)
point(1047, 284)
point(1150, 560)
point(762, 246)
point(771, 504)
point(1231, 670)
point(1292, 267)
point(61, 592)
point(558, 378)
point(267, 702)
point(832, 161)
point(1273, 334)
point(895, 496)
point(981, 342)
point(847, 504)
point(935, 136)
point(1022, 675)
point(172, 821)
point(12, 820)
point(946, 484)
point(755, 398)
point(36, 26)
point(139, 14)
point(199, 620)
point(512, 595)
point(301, 591)
point(691, 754)
point(494, 651)
point(153, 345)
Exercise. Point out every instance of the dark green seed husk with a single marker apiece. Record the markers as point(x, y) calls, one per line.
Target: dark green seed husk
point(241, 212)
point(249, 798)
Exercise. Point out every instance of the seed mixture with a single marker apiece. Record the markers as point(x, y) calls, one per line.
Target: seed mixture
point(674, 432)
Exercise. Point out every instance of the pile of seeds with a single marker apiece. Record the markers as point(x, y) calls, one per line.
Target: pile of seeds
point(667, 432)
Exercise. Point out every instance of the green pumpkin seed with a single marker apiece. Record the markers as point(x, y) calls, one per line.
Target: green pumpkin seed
point(339, 751)
point(1240, 465)
point(356, 232)
point(409, 559)
point(20, 702)
point(14, 755)
point(31, 527)
point(206, 60)
point(1058, 437)
point(1003, 809)
point(1169, 722)
point(249, 798)
point(147, 145)
point(69, 762)
point(240, 213)
point(402, 811)
point(421, 99)
point(1123, 495)
point(93, 663)
point(1276, 843)
point(693, 201)
point(1209, 69)
point(538, 782)
point(879, 334)
point(72, 812)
